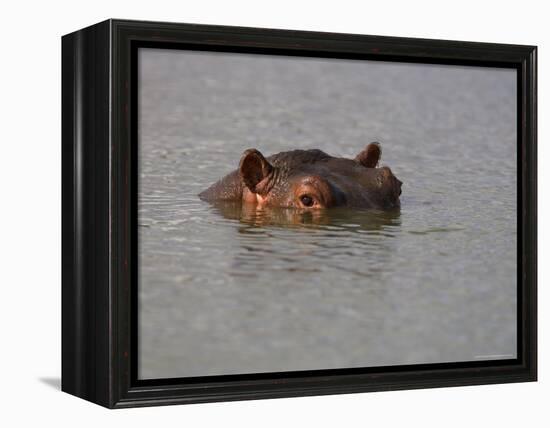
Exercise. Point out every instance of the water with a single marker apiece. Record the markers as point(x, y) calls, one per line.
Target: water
point(228, 290)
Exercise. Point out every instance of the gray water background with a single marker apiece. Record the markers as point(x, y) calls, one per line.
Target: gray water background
point(223, 291)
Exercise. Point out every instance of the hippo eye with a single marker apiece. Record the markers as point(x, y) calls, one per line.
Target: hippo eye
point(306, 200)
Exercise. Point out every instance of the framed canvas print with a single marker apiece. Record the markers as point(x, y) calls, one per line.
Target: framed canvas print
point(253, 213)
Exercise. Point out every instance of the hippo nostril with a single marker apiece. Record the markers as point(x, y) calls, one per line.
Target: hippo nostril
point(399, 182)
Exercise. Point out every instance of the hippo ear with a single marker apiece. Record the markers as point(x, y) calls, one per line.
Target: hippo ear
point(254, 168)
point(370, 156)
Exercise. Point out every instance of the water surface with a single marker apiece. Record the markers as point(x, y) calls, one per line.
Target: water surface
point(229, 290)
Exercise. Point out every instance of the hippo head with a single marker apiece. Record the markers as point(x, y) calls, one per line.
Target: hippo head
point(309, 180)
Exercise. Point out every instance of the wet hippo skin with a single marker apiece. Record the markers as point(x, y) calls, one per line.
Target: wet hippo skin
point(308, 180)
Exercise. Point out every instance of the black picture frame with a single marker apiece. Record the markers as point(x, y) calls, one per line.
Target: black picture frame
point(99, 171)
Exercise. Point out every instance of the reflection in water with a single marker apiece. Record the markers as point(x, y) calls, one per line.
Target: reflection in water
point(342, 218)
point(350, 241)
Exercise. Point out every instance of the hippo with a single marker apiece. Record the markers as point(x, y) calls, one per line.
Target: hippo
point(309, 180)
